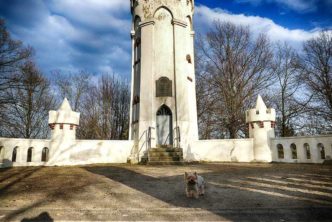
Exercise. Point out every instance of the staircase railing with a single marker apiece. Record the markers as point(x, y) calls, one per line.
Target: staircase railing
point(177, 137)
point(165, 142)
point(147, 141)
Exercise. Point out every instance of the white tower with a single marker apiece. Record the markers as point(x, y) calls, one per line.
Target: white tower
point(261, 121)
point(163, 97)
point(63, 124)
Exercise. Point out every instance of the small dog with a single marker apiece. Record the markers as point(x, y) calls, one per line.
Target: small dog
point(195, 185)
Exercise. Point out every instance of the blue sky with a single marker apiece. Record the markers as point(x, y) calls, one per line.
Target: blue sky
point(93, 35)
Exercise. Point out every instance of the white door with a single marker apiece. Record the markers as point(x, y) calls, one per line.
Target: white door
point(164, 126)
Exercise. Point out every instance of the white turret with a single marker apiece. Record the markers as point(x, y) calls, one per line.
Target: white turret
point(63, 122)
point(261, 121)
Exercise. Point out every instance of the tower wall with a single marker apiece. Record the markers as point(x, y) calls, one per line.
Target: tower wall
point(163, 46)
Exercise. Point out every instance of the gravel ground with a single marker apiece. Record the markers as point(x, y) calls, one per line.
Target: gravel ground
point(235, 192)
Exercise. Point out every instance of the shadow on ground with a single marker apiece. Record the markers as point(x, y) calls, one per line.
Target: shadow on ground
point(43, 217)
point(251, 195)
point(235, 192)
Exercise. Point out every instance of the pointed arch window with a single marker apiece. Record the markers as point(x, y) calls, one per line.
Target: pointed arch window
point(294, 151)
point(321, 150)
point(307, 150)
point(14, 154)
point(29, 157)
point(45, 153)
point(280, 149)
point(2, 151)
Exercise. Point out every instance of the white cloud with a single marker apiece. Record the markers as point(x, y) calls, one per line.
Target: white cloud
point(101, 14)
point(297, 5)
point(205, 17)
point(73, 35)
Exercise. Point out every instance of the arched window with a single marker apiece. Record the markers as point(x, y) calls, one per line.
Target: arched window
point(294, 151)
point(281, 154)
point(2, 151)
point(164, 111)
point(321, 150)
point(45, 155)
point(306, 148)
point(14, 155)
point(29, 157)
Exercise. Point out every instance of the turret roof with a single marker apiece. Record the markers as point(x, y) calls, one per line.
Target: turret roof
point(65, 106)
point(260, 105)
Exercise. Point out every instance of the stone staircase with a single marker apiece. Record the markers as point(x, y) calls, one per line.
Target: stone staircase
point(165, 155)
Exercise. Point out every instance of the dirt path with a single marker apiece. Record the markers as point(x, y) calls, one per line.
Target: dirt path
point(235, 192)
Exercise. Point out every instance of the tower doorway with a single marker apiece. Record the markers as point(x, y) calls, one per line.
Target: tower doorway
point(164, 126)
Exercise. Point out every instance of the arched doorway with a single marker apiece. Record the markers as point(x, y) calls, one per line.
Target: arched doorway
point(164, 126)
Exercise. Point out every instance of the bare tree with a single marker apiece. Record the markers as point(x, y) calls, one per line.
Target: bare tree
point(289, 97)
point(27, 116)
point(12, 55)
point(317, 65)
point(236, 67)
point(73, 86)
point(105, 111)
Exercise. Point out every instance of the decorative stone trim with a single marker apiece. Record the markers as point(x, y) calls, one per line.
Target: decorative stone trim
point(179, 23)
point(146, 23)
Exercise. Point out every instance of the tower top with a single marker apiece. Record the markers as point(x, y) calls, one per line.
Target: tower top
point(260, 105)
point(145, 9)
point(261, 113)
point(64, 115)
point(65, 106)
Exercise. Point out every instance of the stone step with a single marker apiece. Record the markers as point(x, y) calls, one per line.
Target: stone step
point(165, 154)
point(165, 150)
point(165, 158)
point(165, 146)
point(165, 163)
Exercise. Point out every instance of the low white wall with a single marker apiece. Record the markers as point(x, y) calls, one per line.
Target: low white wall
point(237, 150)
point(8, 144)
point(77, 152)
point(313, 142)
point(98, 151)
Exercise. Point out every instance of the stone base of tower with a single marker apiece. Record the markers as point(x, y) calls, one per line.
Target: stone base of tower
point(165, 156)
